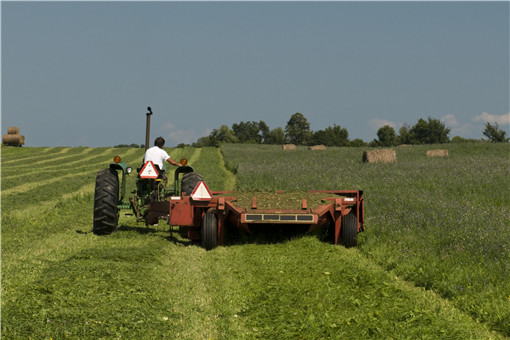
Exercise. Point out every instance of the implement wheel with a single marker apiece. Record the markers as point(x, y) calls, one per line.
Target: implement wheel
point(349, 231)
point(209, 230)
point(190, 181)
point(106, 213)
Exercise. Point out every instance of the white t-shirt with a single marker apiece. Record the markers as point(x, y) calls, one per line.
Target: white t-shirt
point(157, 155)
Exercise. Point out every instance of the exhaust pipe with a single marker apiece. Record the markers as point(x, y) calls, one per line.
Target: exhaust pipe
point(148, 128)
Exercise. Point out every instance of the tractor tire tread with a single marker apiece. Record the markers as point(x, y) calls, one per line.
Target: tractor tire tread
point(190, 181)
point(106, 213)
point(349, 231)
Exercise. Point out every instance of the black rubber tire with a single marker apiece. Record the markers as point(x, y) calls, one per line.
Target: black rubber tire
point(349, 231)
point(190, 181)
point(209, 231)
point(106, 213)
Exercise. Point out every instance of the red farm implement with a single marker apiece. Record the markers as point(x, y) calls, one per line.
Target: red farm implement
point(207, 217)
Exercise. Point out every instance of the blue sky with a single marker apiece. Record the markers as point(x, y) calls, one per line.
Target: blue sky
point(83, 73)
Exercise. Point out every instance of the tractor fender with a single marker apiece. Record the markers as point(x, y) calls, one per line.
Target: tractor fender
point(119, 166)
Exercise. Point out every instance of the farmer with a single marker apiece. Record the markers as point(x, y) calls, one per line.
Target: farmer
point(158, 156)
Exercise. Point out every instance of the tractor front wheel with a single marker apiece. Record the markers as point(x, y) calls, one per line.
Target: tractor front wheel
point(349, 231)
point(209, 230)
point(106, 213)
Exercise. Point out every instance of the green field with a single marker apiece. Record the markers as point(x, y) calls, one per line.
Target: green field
point(433, 263)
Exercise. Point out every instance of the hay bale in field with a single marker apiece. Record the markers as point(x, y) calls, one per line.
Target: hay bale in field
point(436, 153)
point(12, 139)
point(379, 156)
point(13, 130)
point(317, 147)
point(289, 147)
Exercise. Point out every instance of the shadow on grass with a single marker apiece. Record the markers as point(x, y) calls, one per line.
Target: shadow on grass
point(175, 236)
point(141, 230)
point(260, 234)
point(271, 234)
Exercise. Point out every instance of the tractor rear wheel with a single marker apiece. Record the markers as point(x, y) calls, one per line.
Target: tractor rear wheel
point(209, 230)
point(106, 213)
point(190, 181)
point(349, 231)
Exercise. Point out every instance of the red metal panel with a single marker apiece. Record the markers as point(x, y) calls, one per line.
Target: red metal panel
point(181, 213)
point(338, 226)
point(304, 204)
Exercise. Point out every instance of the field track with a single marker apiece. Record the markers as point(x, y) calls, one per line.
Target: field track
point(61, 281)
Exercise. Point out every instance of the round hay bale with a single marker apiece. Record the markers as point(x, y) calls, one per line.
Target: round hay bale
point(436, 153)
point(379, 156)
point(11, 139)
point(13, 130)
point(22, 139)
point(289, 147)
point(317, 147)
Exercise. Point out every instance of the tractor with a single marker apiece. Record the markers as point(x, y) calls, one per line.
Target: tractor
point(150, 197)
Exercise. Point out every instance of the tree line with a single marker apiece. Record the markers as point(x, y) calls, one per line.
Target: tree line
point(298, 132)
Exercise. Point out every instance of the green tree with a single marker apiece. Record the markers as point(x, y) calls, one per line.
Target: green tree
point(494, 133)
point(203, 142)
point(275, 136)
point(222, 135)
point(404, 135)
point(247, 132)
point(358, 142)
point(264, 130)
point(458, 139)
point(331, 136)
point(387, 136)
point(432, 131)
point(297, 130)
point(251, 132)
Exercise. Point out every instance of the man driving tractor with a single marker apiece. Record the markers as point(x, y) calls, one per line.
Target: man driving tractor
point(158, 156)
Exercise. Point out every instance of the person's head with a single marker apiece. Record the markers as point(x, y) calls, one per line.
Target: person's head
point(159, 142)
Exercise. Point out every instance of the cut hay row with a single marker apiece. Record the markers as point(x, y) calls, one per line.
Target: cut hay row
point(288, 147)
point(379, 156)
point(12, 172)
point(25, 187)
point(40, 159)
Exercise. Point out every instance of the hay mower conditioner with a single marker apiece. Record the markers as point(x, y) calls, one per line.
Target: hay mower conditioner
point(206, 214)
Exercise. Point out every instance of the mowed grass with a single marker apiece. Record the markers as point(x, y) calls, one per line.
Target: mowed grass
point(61, 281)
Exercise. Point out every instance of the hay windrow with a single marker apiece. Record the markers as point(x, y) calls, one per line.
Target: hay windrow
point(317, 147)
point(379, 156)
